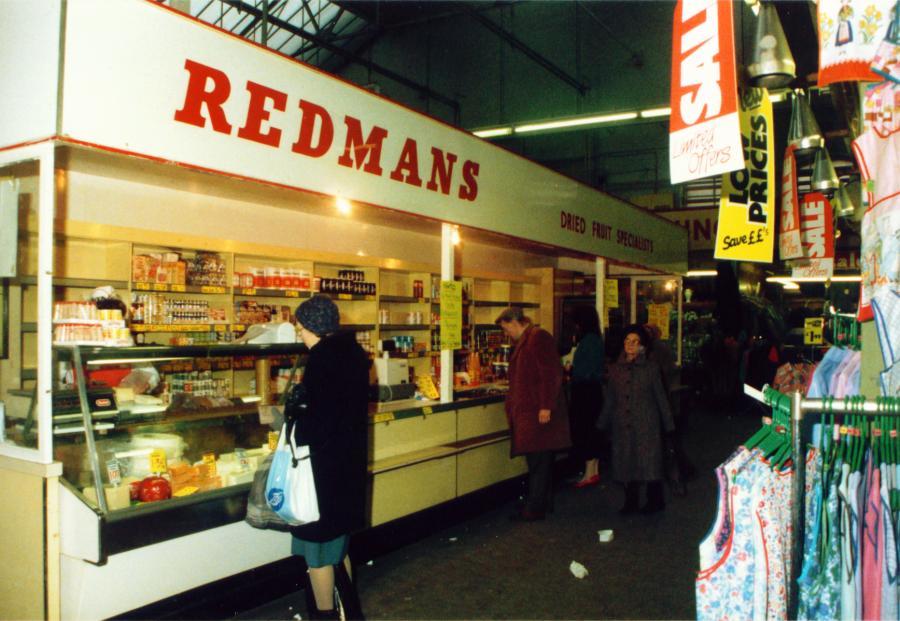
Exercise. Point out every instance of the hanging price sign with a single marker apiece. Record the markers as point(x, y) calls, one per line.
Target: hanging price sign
point(812, 331)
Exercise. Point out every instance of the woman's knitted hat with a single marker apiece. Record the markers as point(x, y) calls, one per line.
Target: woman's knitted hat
point(319, 314)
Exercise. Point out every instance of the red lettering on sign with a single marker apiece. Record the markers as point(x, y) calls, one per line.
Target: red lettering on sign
point(196, 96)
point(357, 151)
point(309, 113)
point(442, 170)
point(468, 191)
point(408, 163)
point(257, 114)
point(208, 90)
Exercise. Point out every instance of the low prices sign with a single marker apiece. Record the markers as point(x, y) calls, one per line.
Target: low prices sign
point(789, 244)
point(704, 131)
point(746, 229)
point(817, 233)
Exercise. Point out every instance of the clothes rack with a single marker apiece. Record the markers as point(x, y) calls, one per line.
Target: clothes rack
point(796, 405)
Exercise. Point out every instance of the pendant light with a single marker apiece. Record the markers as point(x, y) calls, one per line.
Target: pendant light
point(824, 178)
point(771, 63)
point(803, 133)
point(844, 206)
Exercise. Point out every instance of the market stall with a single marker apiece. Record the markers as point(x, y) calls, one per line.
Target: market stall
point(213, 184)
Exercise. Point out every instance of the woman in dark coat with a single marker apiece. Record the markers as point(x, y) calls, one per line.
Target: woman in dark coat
point(639, 414)
point(334, 424)
point(586, 393)
point(535, 408)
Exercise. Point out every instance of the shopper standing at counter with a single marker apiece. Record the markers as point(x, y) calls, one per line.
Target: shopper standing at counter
point(535, 408)
point(331, 409)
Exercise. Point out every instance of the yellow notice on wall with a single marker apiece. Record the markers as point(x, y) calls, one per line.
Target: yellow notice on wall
point(747, 208)
point(611, 293)
point(451, 314)
point(658, 315)
point(812, 331)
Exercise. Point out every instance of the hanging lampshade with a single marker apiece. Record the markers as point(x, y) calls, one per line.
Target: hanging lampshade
point(843, 203)
point(804, 133)
point(824, 178)
point(771, 63)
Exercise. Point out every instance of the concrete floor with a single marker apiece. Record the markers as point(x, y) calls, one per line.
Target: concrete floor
point(489, 568)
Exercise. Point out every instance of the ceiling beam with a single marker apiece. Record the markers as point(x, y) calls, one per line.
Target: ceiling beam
point(334, 49)
point(516, 43)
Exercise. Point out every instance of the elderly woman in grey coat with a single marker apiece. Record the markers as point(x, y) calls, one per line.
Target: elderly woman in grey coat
point(638, 413)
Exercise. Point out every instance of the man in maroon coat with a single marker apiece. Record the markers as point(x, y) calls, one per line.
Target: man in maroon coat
point(535, 408)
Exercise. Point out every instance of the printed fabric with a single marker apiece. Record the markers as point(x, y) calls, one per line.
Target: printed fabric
point(822, 599)
point(850, 34)
point(889, 547)
point(872, 545)
point(725, 583)
point(877, 152)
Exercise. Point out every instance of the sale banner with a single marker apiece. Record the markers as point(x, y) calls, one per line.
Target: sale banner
point(746, 229)
point(817, 233)
point(789, 243)
point(704, 129)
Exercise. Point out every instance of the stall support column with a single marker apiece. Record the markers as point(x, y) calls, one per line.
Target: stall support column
point(600, 290)
point(447, 263)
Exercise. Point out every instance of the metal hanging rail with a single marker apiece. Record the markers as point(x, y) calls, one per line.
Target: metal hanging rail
point(798, 406)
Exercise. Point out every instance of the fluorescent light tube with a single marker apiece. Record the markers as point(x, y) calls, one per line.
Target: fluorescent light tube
point(655, 112)
point(493, 132)
point(700, 273)
point(575, 122)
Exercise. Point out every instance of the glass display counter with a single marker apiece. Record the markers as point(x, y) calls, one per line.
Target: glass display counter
point(188, 447)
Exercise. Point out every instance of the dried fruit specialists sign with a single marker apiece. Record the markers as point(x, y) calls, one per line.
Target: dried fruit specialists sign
point(746, 211)
point(704, 131)
point(817, 232)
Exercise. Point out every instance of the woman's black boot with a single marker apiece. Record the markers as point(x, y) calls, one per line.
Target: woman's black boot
point(656, 501)
point(632, 492)
point(346, 590)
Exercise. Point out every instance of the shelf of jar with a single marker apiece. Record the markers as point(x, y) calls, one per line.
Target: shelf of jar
point(357, 327)
point(504, 304)
point(348, 297)
point(188, 327)
point(251, 292)
point(413, 354)
point(172, 288)
point(395, 327)
point(403, 299)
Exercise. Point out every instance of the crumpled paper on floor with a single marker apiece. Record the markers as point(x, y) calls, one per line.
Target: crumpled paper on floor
point(578, 570)
point(605, 536)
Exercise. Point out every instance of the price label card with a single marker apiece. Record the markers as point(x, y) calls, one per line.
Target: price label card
point(248, 291)
point(178, 288)
point(812, 330)
point(241, 455)
point(142, 286)
point(273, 440)
point(187, 490)
point(426, 386)
point(344, 296)
point(383, 417)
point(114, 471)
point(427, 411)
point(160, 287)
point(209, 460)
point(158, 461)
point(451, 314)
point(290, 293)
point(211, 289)
point(611, 293)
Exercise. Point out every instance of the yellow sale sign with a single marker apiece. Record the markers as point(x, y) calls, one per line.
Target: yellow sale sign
point(746, 210)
